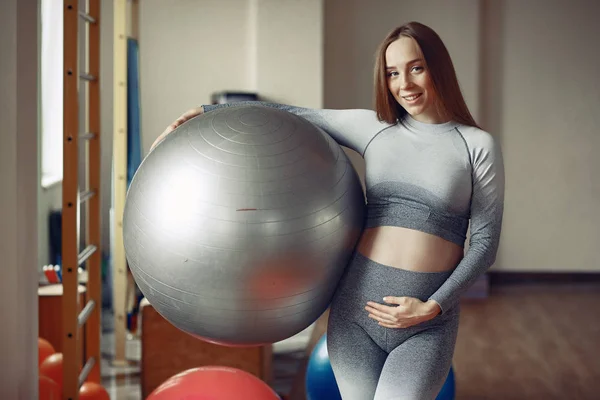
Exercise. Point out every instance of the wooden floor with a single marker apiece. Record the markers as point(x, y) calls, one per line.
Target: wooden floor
point(530, 342)
point(524, 342)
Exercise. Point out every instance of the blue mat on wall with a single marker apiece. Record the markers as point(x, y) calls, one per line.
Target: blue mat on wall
point(134, 140)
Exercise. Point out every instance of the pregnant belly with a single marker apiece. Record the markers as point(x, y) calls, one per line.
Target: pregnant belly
point(409, 249)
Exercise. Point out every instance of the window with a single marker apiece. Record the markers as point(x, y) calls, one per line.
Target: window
point(52, 92)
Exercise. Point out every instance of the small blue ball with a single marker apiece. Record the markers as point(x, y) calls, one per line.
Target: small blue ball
point(448, 390)
point(320, 381)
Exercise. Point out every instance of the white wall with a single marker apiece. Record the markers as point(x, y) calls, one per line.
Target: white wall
point(514, 60)
point(188, 49)
point(354, 29)
point(531, 79)
point(529, 73)
point(18, 199)
point(550, 123)
point(289, 51)
point(50, 198)
point(191, 48)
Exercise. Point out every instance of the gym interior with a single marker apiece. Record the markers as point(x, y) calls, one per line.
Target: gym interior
point(88, 86)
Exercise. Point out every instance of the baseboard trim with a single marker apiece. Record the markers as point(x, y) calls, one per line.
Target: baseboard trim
point(508, 278)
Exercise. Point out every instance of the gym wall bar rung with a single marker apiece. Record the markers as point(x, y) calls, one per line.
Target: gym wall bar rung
point(87, 136)
point(86, 195)
point(87, 77)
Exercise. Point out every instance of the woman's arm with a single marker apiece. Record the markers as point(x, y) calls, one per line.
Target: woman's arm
point(189, 114)
point(487, 209)
point(353, 128)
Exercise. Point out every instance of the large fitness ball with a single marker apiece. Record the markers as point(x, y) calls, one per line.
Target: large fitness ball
point(45, 350)
point(239, 224)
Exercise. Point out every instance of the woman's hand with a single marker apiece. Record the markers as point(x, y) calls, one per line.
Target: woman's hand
point(405, 311)
point(184, 117)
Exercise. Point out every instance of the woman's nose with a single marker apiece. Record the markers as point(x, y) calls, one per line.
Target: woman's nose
point(405, 81)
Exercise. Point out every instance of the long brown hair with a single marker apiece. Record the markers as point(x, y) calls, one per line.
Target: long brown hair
point(441, 69)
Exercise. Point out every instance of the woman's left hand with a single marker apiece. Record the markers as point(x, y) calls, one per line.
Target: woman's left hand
point(403, 313)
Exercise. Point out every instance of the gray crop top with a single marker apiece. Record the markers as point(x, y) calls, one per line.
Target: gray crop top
point(434, 178)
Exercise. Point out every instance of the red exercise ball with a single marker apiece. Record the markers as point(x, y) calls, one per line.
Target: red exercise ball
point(52, 367)
point(213, 383)
point(49, 390)
point(45, 350)
point(93, 391)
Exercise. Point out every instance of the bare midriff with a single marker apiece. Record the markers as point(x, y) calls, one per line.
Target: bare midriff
point(409, 249)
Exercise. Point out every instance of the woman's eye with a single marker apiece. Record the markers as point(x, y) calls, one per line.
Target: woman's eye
point(392, 73)
point(417, 69)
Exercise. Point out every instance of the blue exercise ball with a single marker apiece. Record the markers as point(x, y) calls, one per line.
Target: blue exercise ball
point(448, 391)
point(238, 225)
point(320, 381)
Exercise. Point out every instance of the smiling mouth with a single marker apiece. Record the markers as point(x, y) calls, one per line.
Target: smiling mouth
point(412, 97)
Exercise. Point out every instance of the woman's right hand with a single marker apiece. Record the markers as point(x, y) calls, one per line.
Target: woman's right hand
point(184, 117)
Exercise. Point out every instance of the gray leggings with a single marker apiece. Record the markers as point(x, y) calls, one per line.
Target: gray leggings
point(373, 362)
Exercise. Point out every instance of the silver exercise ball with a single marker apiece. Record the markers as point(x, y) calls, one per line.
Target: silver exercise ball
point(239, 224)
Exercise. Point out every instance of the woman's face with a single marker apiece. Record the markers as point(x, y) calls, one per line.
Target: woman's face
point(409, 80)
